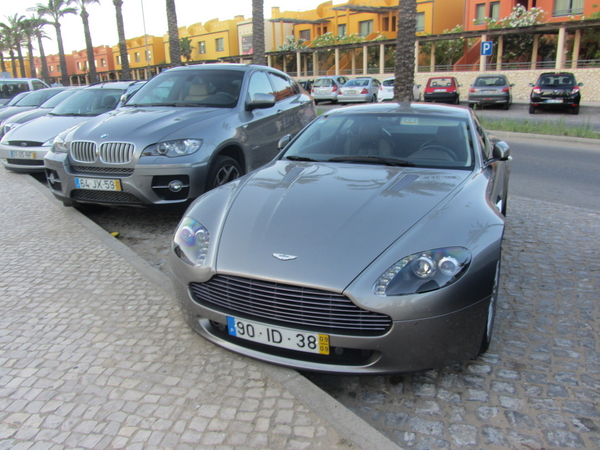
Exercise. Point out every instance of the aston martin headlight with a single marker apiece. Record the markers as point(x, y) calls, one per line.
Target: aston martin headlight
point(191, 242)
point(424, 272)
point(177, 147)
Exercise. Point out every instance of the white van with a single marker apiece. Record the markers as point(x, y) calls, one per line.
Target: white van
point(9, 87)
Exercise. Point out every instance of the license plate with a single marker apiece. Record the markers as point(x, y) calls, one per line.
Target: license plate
point(22, 154)
point(349, 91)
point(554, 101)
point(487, 91)
point(97, 184)
point(278, 336)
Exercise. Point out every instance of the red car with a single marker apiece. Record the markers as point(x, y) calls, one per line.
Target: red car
point(443, 90)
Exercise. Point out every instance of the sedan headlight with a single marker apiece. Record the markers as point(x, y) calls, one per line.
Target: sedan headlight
point(178, 147)
point(423, 272)
point(191, 242)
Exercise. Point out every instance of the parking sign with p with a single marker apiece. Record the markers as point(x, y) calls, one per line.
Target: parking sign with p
point(486, 48)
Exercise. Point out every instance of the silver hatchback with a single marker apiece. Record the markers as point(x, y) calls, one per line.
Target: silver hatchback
point(327, 88)
point(362, 89)
point(187, 130)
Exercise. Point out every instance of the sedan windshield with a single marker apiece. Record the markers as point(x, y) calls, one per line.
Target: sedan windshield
point(89, 102)
point(215, 88)
point(388, 139)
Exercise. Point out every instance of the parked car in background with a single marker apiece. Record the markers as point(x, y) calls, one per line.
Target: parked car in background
point(361, 89)
point(23, 148)
point(306, 84)
point(9, 87)
point(555, 90)
point(186, 131)
point(31, 101)
point(371, 244)
point(327, 88)
point(442, 90)
point(386, 91)
point(491, 90)
point(25, 116)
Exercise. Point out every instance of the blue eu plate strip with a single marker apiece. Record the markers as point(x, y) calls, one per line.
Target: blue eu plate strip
point(231, 326)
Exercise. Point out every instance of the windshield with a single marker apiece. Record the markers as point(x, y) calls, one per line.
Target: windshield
point(89, 102)
point(558, 80)
point(357, 82)
point(58, 98)
point(388, 82)
point(36, 98)
point(215, 88)
point(385, 138)
point(440, 82)
point(491, 81)
point(323, 82)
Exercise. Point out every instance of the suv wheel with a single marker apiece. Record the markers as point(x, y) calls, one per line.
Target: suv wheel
point(531, 109)
point(223, 170)
point(575, 109)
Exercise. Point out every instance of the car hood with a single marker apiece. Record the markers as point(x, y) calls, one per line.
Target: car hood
point(44, 128)
point(148, 124)
point(332, 219)
point(12, 110)
point(28, 115)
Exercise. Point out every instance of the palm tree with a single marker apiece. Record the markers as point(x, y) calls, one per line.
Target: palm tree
point(88, 37)
point(28, 28)
point(186, 46)
point(14, 34)
point(3, 48)
point(56, 10)
point(405, 51)
point(174, 46)
point(258, 33)
point(125, 71)
point(38, 26)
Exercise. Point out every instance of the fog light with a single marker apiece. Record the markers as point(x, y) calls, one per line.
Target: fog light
point(175, 186)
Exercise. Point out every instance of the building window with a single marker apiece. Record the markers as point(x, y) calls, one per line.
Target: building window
point(305, 35)
point(119, 59)
point(202, 47)
point(220, 44)
point(51, 68)
point(365, 27)
point(567, 7)
point(78, 65)
point(137, 56)
point(148, 55)
point(342, 30)
point(480, 14)
point(495, 11)
point(102, 62)
point(420, 21)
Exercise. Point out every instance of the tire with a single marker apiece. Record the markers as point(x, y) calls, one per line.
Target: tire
point(506, 106)
point(223, 170)
point(531, 109)
point(575, 109)
point(457, 101)
point(374, 99)
point(491, 315)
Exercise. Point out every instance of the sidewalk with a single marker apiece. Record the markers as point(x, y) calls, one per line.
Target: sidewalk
point(95, 354)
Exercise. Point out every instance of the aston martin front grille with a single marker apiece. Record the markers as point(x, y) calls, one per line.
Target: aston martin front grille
point(291, 306)
point(83, 151)
point(116, 152)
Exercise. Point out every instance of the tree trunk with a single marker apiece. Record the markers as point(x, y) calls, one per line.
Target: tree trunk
point(258, 33)
point(45, 73)
point(405, 51)
point(174, 44)
point(125, 71)
point(13, 62)
point(64, 75)
point(31, 59)
point(2, 64)
point(88, 45)
point(21, 60)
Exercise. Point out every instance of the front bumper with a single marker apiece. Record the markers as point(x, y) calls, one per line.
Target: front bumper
point(23, 159)
point(144, 185)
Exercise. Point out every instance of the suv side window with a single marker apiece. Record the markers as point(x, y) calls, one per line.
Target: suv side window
point(283, 87)
point(259, 84)
point(38, 85)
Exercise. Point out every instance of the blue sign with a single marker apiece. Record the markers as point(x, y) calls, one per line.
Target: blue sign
point(486, 48)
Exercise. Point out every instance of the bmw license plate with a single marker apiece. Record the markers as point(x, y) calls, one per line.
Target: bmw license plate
point(97, 184)
point(278, 336)
point(22, 154)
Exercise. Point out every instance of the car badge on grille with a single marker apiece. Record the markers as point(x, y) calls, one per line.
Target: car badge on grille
point(23, 144)
point(284, 257)
point(103, 136)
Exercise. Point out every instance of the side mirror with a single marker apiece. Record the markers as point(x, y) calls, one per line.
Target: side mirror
point(579, 84)
point(531, 84)
point(261, 101)
point(501, 151)
point(284, 141)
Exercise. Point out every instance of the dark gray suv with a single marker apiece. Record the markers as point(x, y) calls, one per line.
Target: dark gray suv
point(186, 131)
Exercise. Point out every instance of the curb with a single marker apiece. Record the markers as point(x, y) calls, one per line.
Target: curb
point(356, 432)
point(507, 135)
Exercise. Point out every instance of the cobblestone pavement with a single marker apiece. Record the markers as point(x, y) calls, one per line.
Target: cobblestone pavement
point(94, 353)
point(538, 387)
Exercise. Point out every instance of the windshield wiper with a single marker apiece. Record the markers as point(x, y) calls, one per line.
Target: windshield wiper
point(373, 159)
point(301, 158)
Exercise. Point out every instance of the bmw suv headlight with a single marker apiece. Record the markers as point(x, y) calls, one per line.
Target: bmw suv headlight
point(191, 242)
point(177, 147)
point(423, 272)
point(58, 145)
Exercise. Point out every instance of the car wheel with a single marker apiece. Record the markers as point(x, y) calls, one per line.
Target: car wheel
point(506, 106)
point(575, 109)
point(531, 109)
point(489, 323)
point(223, 170)
point(457, 101)
point(374, 99)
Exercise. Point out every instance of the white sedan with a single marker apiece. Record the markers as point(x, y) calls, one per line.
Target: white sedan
point(386, 91)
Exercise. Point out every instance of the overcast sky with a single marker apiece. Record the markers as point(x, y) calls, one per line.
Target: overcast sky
point(103, 21)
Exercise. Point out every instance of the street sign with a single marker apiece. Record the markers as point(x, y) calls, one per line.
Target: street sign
point(486, 48)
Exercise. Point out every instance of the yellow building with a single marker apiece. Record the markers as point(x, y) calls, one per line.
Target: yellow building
point(211, 40)
point(144, 53)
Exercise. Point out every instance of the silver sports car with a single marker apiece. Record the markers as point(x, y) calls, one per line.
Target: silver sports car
point(370, 244)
